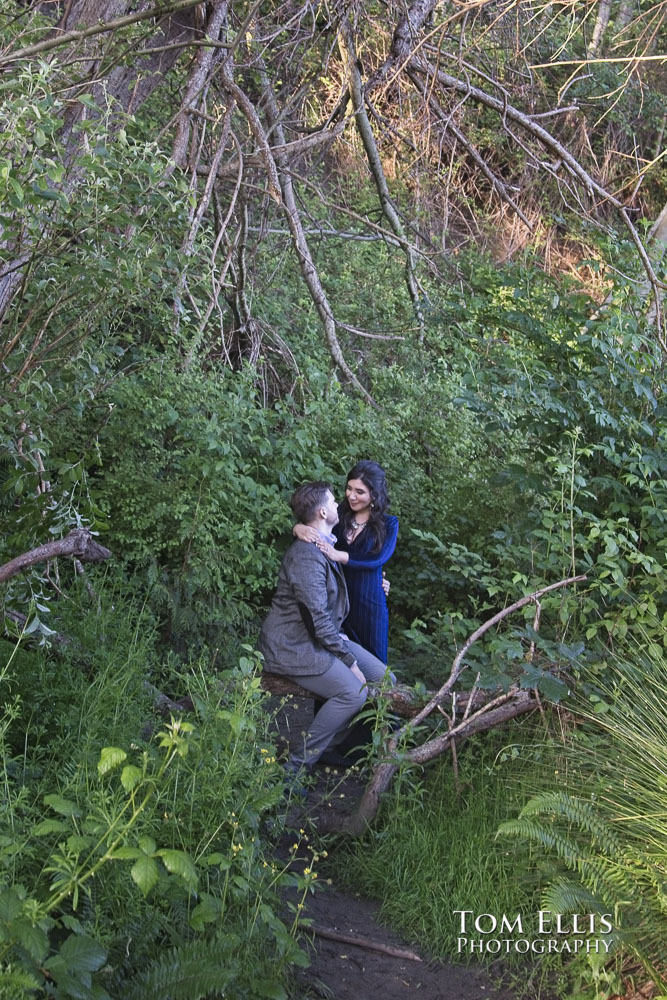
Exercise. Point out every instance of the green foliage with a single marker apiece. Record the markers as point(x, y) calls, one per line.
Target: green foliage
point(435, 850)
point(196, 474)
point(193, 970)
point(572, 407)
point(523, 434)
point(120, 852)
point(99, 284)
point(613, 840)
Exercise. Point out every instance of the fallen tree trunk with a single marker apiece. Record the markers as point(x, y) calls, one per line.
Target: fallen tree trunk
point(515, 702)
point(402, 700)
point(79, 543)
point(355, 825)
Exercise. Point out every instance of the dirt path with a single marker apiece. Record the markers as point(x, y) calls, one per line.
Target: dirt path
point(341, 970)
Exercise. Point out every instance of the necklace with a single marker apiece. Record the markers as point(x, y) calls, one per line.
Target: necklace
point(356, 525)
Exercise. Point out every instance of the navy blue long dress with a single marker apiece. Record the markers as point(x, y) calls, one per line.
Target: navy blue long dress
point(368, 620)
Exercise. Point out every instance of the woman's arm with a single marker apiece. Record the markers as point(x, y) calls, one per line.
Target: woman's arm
point(331, 553)
point(305, 533)
point(372, 560)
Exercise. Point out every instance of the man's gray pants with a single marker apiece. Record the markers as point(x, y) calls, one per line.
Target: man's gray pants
point(344, 696)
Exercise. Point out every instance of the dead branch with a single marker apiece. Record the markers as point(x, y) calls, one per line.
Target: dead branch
point(165, 705)
point(288, 149)
point(513, 706)
point(405, 34)
point(162, 10)
point(458, 664)
point(563, 155)
point(349, 56)
point(401, 699)
point(257, 129)
point(56, 638)
point(90, 590)
point(344, 210)
point(306, 262)
point(367, 333)
point(370, 944)
point(217, 282)
point(496, 712)
point(496, 182)
point(79, 543)
point(205, 199)
point(199, 75)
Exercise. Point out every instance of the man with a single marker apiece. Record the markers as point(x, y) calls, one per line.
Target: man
point(301, 635)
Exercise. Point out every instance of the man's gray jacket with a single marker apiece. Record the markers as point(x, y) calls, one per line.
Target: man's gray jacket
point(301, 633)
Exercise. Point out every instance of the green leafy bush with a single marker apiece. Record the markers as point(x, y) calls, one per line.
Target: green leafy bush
point(134, 849)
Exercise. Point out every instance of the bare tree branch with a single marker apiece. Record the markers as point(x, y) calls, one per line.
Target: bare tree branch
point(403, 40)
point(507, 110)
point(496, 183)
point(79, 543)
point(505, 707)
point(162, 10)
point(365, 130)
point(257, 129)
point(306, 263)
point(199, 75)
point(288, 150)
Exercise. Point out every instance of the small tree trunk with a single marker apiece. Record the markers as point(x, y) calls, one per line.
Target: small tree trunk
point(604, 10)
point(624, 15)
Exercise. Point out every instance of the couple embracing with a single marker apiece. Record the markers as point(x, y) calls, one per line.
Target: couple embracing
point(328, 622)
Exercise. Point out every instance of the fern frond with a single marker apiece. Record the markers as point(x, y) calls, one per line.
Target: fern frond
point(577, 811)
point(609, 879)
point(550, 837)
point(15, 984)
point(191, 971)
point(615, 843)
point(565, 896)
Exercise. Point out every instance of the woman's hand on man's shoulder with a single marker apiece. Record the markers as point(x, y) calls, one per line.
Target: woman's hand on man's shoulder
point(305, 533)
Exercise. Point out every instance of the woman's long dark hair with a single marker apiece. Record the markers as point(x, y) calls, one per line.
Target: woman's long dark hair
point(374, 479)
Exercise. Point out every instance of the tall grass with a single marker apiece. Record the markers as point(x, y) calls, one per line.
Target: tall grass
point(134, 860)
point(435, 851)
point(605, 825)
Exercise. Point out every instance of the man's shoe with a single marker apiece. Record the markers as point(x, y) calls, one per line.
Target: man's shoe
point(331, 758)
point(294, 780)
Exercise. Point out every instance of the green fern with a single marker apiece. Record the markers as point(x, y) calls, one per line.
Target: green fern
point(615, 844)
point(16, 984)
point(577, 811)
point(566, 896)
point(595, 870)
point(547, 836)
point(190, 971)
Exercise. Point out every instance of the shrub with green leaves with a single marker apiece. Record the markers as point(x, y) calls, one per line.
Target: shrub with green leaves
point(134, 850)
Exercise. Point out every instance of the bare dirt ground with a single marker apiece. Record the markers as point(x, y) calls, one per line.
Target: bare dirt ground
point(352, 970)
point(343, 971)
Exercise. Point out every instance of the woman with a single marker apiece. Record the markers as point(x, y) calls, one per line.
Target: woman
point(365, 541)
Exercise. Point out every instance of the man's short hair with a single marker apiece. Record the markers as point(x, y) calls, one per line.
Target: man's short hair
point(307, 499)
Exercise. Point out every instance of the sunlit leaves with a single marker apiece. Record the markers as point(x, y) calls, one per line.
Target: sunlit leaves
point(110, 758)
point(145, 873)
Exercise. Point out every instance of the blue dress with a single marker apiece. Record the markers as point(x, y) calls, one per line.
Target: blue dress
point(368, 620)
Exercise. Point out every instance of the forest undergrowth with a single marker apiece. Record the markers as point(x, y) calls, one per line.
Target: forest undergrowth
point(243, 247)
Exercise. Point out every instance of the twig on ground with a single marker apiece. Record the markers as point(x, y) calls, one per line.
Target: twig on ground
point(362, 942)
